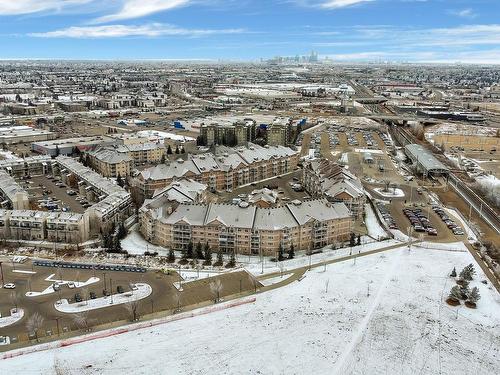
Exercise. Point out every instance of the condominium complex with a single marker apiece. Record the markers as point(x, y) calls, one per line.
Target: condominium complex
point(111, 203)
point(12, 195)
point(278, 132)
point(29, 225)
point(222, 171)
point(113, 161)
point(324, 178)
point(247, 229)
point(30, 166)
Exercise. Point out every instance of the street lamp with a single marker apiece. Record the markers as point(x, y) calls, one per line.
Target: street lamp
point(1, 273)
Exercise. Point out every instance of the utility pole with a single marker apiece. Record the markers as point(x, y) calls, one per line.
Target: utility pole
point(111, 289)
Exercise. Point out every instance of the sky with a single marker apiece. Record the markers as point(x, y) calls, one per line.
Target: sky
point(439, 31)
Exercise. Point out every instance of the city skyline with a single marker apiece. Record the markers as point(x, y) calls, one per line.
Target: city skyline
point(341, 30)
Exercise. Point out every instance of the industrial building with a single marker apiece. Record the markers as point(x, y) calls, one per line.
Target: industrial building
point(69, 146)
point(23, 134)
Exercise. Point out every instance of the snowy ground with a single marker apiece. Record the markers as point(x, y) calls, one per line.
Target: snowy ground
point(50, 289)
point(372, 224)
point(384, 314)
point(392, 193)
point(15, 315)
point(258, 266)
point(142, 291)
point(134, 243)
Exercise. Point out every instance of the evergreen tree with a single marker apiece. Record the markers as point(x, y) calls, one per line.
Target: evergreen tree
point(232, 260)
point(208, 254)
point(473, 296)
point(169, 150)
point(453, 273)
point(291, 252)
point(455, 293)
point(280, 254)
point(358, 241)
point(464, 289)
point(352, 240)
point(171, 256)
point(220, 259)
point(122, 232)
point(183, 151)
point(163, 159)
point(177, 149)
point(119, 181)
point(199, 251)
point(464, 274)
point(189, 251)
point(184, 255)
point(470, 271)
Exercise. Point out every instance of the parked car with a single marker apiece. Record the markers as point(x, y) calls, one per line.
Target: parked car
point(92, 295)
point(119, 289)
point(9, 286)
point(78, 297)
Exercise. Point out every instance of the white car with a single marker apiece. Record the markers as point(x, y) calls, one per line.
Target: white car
point(71, 285)
point(9, 286)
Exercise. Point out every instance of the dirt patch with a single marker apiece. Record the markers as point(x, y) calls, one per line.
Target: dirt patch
point(452, 302)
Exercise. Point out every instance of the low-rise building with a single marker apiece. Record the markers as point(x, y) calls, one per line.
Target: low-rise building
point(69, 146)
point(222, 171)
point(247, 229)
point(23, 134)
point(324, 178)
point(12, 195)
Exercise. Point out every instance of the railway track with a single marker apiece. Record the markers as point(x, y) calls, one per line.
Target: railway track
point(483, 208)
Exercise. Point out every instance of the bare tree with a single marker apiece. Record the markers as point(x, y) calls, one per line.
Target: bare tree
point(85, 295)
point(133, 310)
point(81, 319)
point(418, 131)
point(34, 323)
point(216, 289)
point(14, 298)
point(177, 300)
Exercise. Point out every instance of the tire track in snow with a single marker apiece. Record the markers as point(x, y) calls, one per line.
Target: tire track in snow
point(360, 331)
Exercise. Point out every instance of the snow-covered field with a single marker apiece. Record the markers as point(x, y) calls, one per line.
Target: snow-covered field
point(384, 314)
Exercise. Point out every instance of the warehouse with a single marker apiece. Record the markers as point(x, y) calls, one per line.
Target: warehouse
point(70, 145)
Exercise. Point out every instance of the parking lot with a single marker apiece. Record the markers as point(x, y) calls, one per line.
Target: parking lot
point(49, 193)
point(86, 281)
point(280, 184)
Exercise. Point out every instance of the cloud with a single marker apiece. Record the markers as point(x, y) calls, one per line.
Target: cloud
point(329, 4)
point(119, 31)
point(140, 8)
point(334, 4)
point(464, 13)
point(16, 7)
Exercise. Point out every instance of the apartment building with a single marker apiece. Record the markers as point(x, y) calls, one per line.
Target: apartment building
point(222, 171)
point(113, 204)
point(324, 178)
point(247, 229)
point(29, 225)
point(112, 161)
point(30, 166)
point(12, 195)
